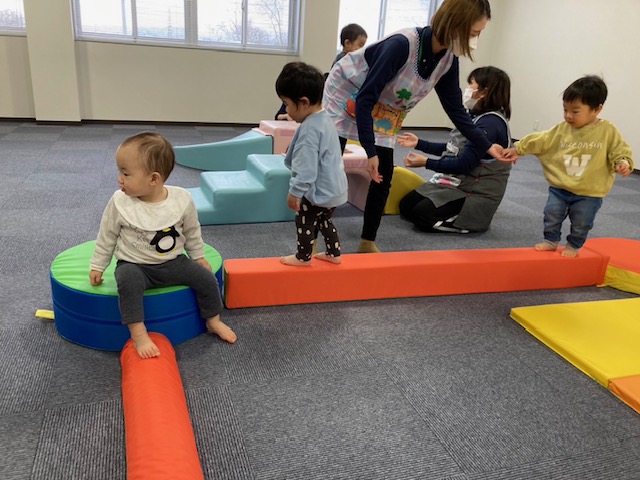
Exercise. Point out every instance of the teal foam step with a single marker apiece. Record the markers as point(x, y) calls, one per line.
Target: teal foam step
point(255, 195)
point(225, 155)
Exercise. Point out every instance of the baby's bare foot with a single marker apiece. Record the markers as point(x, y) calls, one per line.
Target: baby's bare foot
point(294, 262)
point(569, 252)
point(545, 247)
point(145, 347)
point(215, 326)
point(328, 258)
point(141, 340)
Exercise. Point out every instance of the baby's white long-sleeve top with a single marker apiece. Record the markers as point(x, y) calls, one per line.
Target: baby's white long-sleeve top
point(148, 233)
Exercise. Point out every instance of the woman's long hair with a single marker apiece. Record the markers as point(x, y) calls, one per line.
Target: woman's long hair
point(496, 85)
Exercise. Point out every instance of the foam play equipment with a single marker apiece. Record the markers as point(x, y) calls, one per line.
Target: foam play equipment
point(256, 194)
point(358, 178)
point(89, 315)
point(281, 131)
point(245, 185)
point(600, 338)
point(623, 271)
point(403, 182)
point(627, 389)
point(46, 314)
point(160, 444)
point(253, 282)
point(225, 155)
point(270, 137)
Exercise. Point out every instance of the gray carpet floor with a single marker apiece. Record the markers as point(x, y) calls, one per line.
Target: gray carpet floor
point(442, 388)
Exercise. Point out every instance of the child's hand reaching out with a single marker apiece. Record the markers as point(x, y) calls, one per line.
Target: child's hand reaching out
point(510, 154)
point(623, 168)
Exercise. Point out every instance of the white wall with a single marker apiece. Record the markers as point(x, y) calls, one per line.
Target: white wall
point(52, 60)
point(16, 94)
point(544, 45)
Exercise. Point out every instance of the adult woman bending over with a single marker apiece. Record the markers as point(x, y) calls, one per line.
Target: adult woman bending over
point(369, 92)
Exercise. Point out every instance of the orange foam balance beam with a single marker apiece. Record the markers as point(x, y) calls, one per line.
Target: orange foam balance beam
point(254, 282)
point(159, 437)
point(623, 271)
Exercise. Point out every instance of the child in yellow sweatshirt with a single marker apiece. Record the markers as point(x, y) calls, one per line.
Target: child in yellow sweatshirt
point(580, 158)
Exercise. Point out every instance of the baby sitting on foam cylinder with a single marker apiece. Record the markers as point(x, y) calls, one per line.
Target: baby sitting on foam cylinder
point(148, 225)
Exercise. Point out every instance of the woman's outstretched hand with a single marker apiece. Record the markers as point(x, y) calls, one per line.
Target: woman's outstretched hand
point(408, 140)
point(415, 160)
point(373, 169)
point(497, 152)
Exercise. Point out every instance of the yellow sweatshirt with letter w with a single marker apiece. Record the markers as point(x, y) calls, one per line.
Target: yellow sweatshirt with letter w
point(579, 160)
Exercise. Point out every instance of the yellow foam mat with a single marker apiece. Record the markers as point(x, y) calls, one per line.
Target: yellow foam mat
point(621, 279)
point(600, 338)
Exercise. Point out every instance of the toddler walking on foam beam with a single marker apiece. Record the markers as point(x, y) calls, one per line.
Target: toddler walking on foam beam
point(148, 224)
point(318, 182)
point(580, 158)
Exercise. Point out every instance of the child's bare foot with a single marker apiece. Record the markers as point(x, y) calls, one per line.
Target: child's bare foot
point(328, 258)
point(294, 262)
point(215, 326)
point(569, 252)
point(145, 347)
point(368, 246)
point(546, 246)
point(143, 343)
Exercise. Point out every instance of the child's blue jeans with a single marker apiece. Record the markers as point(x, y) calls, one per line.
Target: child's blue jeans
point(581, 211)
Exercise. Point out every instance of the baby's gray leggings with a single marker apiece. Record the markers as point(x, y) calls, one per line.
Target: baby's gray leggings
point(133, 279)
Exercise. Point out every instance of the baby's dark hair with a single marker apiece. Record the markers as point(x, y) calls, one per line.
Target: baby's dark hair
point(156, 152)
point(298, 80)
point(497, 84)
point(351, 32)
point(590, 90)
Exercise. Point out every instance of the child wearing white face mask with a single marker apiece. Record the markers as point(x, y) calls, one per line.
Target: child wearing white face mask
point(465, 193)
point(468, 99)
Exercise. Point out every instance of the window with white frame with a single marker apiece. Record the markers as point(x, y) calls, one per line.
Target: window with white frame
point(12, 17)
point(382, 17)
point(252, 25)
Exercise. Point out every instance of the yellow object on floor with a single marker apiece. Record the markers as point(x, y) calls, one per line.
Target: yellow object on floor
point(48, 314)
point(600, 338)
point(403, 182)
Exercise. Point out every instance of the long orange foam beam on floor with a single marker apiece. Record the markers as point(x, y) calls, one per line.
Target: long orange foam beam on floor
point(159, 437)
point(254, 282)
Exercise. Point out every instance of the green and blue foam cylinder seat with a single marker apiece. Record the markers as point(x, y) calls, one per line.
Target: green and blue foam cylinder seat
point(90, 316)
